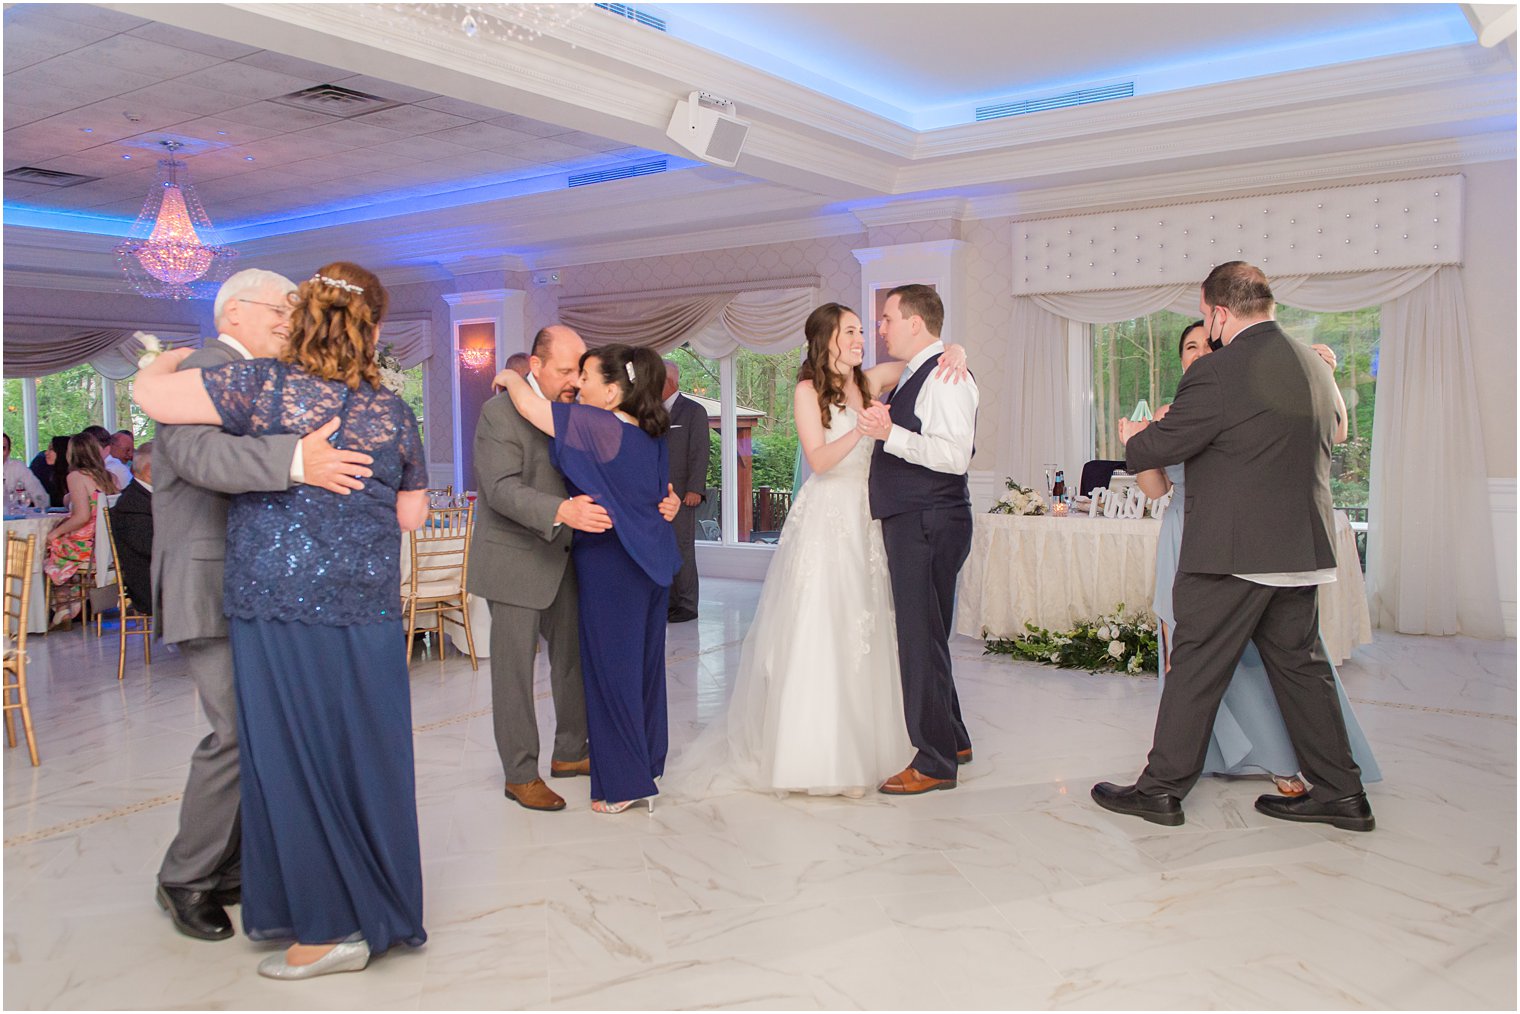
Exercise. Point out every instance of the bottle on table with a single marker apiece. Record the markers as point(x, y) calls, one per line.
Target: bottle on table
point(1058, 491)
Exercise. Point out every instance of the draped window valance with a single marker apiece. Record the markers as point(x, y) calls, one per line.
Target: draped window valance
point(38, 349)
point(716, 320)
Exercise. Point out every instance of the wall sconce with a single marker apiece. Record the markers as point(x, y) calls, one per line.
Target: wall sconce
point(475, 359)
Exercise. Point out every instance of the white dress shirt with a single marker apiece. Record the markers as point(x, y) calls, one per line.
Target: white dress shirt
point(16, 473)
point(947, 416)
point(119, 471)
point(297, 461)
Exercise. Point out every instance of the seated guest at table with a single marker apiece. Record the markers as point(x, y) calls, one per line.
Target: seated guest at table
point(51, 467)
point(120, 474)
point(19, 477)
point(120, 451)
point(611, 447)
point(71, 543)
point(1249, 736)
point(132, 524)
point(313, 596)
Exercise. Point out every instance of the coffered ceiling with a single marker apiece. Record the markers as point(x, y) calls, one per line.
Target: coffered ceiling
point(859, 113)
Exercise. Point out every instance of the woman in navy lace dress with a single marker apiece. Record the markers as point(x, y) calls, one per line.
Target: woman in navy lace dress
point(329, 814)
point(611, 447)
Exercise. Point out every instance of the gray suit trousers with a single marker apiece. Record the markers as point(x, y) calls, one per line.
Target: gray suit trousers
point(205, 853)
point(514, 640)
point(683, 591)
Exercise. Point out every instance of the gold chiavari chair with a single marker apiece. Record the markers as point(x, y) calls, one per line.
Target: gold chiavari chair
point(19, 554)
point(127, 611)
point(440, 567)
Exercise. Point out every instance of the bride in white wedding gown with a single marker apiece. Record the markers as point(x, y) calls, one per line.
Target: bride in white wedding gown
point(817, 701)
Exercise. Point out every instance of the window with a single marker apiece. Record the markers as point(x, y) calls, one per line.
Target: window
point(15, 418)
point(129, 416)
point(69, 401)
point(416, 380)
point(1135, 360)
point(766, 451)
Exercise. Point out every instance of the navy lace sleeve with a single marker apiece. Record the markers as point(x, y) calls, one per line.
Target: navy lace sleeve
point(240, 391)
point(625, 470)
point(413, 460)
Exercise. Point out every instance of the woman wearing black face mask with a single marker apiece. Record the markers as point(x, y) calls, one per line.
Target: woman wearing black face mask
point(1249, 736)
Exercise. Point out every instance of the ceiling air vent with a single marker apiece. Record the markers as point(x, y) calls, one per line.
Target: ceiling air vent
point(335, 100)
point(1082, 97)
point(634, 14)
point(617, 172)
point(46, 177)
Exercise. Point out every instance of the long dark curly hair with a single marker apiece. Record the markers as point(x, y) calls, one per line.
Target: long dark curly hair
point(821, 327)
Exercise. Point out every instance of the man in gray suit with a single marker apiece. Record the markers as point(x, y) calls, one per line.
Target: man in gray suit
point(196, 471)
point(689, 445)
point(1254, 423)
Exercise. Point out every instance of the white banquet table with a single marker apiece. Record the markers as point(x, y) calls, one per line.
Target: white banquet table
point(1056, 572)
point(480, 609)
point(39, 525)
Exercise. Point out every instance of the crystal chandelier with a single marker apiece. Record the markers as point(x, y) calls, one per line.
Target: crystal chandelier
point(514, 22)
point(169, 249)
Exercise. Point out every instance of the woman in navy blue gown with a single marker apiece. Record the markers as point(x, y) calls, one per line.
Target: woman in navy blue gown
point(1249, 737)
point(611, 447)
point(329, 813)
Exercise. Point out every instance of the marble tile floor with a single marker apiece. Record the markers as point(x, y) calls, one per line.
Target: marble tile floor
point(1013, 891)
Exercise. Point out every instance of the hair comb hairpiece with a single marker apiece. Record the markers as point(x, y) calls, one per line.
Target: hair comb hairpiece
point(339, 283)
point(631, 378)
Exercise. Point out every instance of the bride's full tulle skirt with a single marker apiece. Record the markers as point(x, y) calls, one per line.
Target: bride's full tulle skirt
point(817, 700)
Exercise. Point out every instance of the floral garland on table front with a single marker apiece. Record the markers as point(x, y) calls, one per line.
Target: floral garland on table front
point(391, 375)
point(1018, 500)
point(1116, 643)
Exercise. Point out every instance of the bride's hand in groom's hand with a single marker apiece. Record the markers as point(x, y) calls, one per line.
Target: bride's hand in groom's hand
point(952, 364)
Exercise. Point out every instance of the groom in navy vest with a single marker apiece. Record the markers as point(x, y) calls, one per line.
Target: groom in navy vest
point(926, 429)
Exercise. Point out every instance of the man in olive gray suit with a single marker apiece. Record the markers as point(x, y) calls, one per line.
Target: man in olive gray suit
point(1254, 423)
point(689, 446)
point(196, 471)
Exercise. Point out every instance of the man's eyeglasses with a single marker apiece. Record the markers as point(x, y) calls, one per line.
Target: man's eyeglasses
point(284, 312)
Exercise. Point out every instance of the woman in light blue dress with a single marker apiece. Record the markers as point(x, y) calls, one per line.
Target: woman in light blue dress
point(1249, 736)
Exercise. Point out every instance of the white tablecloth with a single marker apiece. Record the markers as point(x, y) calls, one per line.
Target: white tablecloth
point(36, 610)
point(480, 609)
point(1056, 572)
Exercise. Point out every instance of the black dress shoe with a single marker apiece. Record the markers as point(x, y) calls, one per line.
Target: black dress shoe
point(679, 616)
point(1158, 809)
point(194, 913)
point(1349, 813)
point(227, 896)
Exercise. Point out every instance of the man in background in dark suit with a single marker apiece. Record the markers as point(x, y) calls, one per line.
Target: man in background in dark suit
point(1254, 424)
point(132, 524)
point(689, 444)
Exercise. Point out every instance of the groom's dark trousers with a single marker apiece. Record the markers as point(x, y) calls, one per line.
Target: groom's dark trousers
point(925, 551)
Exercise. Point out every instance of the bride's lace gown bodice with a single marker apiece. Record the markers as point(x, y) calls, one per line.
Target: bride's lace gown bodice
point(817, 700)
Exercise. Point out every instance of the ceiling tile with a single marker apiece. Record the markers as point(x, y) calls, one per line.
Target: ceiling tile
point(423, 148)
point(75, 73)
point(537, 128)
point(294, 147)
point(183, 103)
point(277, 117)
point(369, 160)
point(387, 89)
point(245, 80)
point(220, 130)
point(483, 136)
point(321, 73)
point(319, 169)
point(143, 56)
point(358, 133)
point(49, 135)
point(32, 40)
point(412, 119)
point(591, 142)
point(546, 150)
point(183, 38)
point(479, 162)
point(34, 107)
point(88, 126)
point(92, 16)
point(459, 107)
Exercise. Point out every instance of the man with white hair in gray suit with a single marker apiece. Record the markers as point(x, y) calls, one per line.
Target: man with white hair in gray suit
point(197, 471)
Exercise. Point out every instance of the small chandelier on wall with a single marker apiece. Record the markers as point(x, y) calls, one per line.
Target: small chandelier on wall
point(476, 358)
point(170, 248)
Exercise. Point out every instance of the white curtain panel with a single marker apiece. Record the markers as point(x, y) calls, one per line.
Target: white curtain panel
point(1430, 560)
point(1430, 566)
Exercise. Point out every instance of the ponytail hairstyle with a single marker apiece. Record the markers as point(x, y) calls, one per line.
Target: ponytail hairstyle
point(821, 327)
point(333, 326)
point(640, 375)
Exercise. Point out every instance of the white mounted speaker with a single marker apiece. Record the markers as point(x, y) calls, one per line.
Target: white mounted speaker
point(706, 125)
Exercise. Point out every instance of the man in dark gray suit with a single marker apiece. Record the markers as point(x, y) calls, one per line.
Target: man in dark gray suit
point(196, 471)
point(1254, 424)
point(689, 444)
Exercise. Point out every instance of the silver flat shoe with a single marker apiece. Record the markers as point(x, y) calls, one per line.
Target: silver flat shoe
point(349, 956)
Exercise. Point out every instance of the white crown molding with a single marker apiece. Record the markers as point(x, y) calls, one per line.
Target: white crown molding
point(730, 238)
point(479, 296)
point(907, 212)
point(1402, 159)
point(26, 279)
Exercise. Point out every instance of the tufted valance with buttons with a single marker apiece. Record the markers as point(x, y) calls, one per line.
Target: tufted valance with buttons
point(1366, 227)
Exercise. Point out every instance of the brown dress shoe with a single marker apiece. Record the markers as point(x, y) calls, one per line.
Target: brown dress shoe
point(534, 795)
point(963, 756)
point(569, 769)
point(909, 782)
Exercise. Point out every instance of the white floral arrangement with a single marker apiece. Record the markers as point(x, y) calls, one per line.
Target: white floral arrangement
point(1112, 643)
point(1018, 499)
point(392, 377)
